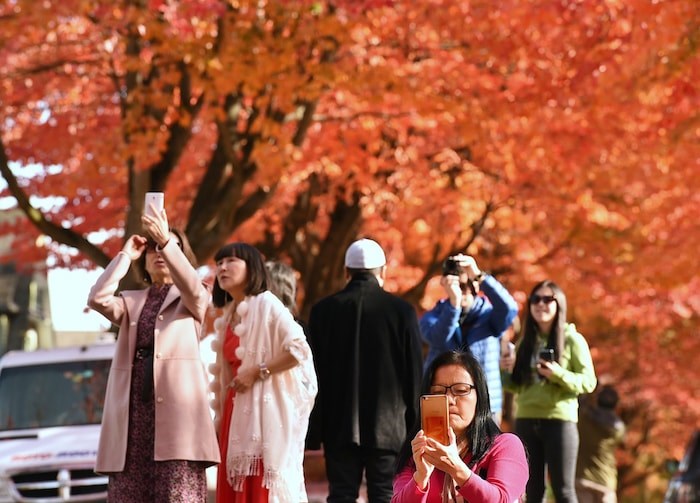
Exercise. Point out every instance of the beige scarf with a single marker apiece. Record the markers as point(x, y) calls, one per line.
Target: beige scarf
point(449, 486)
point(270, 420)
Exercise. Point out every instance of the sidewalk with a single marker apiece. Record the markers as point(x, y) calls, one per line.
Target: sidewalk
point(318, 492)
point(315, 477)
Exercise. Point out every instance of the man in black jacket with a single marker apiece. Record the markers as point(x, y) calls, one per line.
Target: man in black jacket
point(367, 350)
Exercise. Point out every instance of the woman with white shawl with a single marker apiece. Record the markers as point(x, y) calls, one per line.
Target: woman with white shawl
point(264, 385)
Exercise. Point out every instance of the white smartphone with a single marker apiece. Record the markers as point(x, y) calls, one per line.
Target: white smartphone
point(153, 203)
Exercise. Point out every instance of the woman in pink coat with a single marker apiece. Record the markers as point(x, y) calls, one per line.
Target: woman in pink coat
point(157, 434)
point(481, 464)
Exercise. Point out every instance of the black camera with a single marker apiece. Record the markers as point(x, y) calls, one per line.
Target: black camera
point(451, 267)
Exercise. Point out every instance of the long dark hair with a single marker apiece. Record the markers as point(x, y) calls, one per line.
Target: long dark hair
point(255, 265)
point(482, 430)
point(522, 371)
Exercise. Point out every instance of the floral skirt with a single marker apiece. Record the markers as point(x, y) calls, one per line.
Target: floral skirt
point(143, 479)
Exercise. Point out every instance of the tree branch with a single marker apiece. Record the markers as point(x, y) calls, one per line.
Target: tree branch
point(37, 219)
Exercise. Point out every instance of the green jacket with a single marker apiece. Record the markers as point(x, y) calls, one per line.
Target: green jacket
point(557, 397)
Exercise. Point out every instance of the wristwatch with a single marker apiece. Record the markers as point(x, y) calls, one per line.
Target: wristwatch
point(480, 277)
point(264, 371)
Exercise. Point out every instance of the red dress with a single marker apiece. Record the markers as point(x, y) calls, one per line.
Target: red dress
point(253, 490)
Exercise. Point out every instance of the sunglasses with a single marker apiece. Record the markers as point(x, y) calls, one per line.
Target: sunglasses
point(547, 299)
point(151, 245)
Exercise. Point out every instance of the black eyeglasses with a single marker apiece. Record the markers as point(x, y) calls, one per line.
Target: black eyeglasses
point(457, 389)
point(547, 299)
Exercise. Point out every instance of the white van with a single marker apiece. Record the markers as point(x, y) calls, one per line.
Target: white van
point(51, 404)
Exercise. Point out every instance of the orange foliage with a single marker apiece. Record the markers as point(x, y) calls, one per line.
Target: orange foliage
point(548, 138)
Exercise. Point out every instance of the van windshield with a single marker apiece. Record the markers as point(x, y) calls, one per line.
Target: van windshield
point(56, 394)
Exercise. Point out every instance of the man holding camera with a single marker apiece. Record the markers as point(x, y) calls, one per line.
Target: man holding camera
point(468, 320)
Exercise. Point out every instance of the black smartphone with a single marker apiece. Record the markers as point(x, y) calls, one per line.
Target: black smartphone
point(547, 355)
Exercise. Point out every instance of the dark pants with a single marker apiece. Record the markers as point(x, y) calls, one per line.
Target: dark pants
point(552, 443)
point(344, 467)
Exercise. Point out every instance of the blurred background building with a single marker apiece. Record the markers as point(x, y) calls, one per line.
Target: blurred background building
point(25, 314)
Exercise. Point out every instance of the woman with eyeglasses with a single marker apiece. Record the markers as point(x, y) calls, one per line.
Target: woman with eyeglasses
point(551, 368)
point(481, 464)
point(157, 436)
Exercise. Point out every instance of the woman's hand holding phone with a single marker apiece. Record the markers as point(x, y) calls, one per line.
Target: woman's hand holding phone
point(435, 446)
point(154, 220)
point(445, 458)
point(435, 417)
point(153, 203)
point(546, 364)
point(423, 468)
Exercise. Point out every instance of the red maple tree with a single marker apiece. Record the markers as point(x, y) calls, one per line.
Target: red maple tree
point(547, 138)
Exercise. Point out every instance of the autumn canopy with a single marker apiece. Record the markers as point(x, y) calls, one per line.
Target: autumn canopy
point(548, 138)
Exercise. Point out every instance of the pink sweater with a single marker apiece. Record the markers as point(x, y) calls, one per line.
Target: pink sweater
point(506, 473)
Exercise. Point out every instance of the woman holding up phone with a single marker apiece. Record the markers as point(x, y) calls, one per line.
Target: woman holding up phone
point(480, 464)
point(551, 368)
point(157, 436)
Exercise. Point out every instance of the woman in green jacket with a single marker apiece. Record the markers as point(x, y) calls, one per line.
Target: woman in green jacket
point(551, 368)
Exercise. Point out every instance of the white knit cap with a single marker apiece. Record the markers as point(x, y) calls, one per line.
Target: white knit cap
point(364, 254)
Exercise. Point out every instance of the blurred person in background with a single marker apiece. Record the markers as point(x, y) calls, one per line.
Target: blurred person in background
point(552, 366)
point(601, 431)
point(282, 281)
point(468, 320)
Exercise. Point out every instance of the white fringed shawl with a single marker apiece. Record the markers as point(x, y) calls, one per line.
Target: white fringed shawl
point(270, 420)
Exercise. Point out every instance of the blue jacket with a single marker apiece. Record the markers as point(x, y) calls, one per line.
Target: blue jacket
point(489, 316)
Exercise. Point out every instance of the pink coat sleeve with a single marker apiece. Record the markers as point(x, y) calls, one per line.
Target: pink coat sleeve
point(194, 294)
point(406, 490)
point(504, 467)
point(506, 473)
point(101, 297)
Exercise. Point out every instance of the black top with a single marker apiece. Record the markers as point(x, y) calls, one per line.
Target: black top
point(367, 351)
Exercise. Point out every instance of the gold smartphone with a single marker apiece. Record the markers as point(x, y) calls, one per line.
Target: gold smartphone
point(435, 417)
